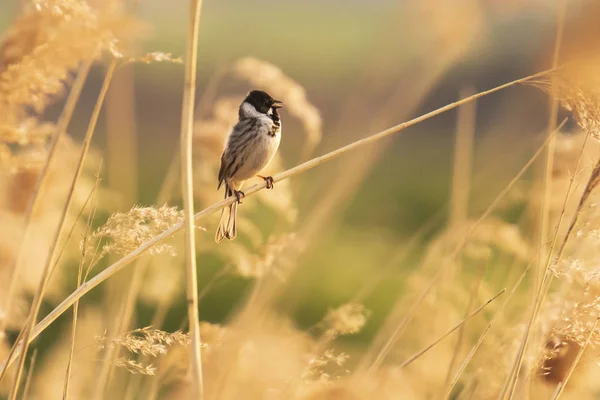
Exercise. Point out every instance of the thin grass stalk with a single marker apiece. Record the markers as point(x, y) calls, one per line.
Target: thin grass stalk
point(461, 185)
point(37, 300)
point(549, 277)
point(511, 379)
point(561, 217)
point(561, 386)
point(127, 259)
point(13, 352)
point(461, 332)
point(540, 275)
point(187, 131)
point(564, 208)
point(476, 346)
point(411, 312)
point(73, 335)
point(128, 306)
point(154, 389)
point(173, 172)
point(463, 155)
point(164, 195)
point(69, 236)
point(450, 331)
point(30, 374)
point(122, 176)
point(86, 236)
point(551, 149)
point(61, 129)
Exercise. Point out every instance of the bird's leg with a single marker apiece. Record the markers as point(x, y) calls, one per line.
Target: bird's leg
point(239, 195)
point(231, 190)
point(268, 180)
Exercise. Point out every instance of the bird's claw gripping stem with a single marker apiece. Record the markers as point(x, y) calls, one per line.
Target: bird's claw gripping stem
point(239, 195)
point(268, 180)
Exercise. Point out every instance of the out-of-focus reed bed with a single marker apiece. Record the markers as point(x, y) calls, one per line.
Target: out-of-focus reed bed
point(468, 322)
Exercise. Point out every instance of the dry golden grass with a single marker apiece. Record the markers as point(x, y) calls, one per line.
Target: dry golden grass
point(534, 341)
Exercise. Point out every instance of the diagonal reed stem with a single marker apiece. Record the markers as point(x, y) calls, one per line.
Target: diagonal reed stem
point(469, 357)
point(126, 260)
point(453, 329)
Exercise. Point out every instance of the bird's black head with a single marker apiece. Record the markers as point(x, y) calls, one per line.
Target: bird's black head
point(262, 101)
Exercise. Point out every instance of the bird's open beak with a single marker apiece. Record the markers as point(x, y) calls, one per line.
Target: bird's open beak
point(277, 104)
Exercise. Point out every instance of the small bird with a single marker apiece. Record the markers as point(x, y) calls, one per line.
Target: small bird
point(250, 147)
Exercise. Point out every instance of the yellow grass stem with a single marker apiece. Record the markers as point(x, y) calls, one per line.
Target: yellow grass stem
point(126, 260)
point(461, 186)
point(80, 277)
point(544, 212)
point(399, 255)
point(461, 333)
point(543, 288)
point(61, 130)
point(13, 351)
point(30, 374)
point(37, 300)
point(187, 127)
point(463, 155)
point(476, 346)
point(542, 234)
point(450, 331)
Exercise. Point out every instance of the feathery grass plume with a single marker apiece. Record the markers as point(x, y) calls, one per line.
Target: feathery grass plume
point(146, 341)
point(567, 324)
point(576, 318)
point(326, 367)
point(574, 160)
point(134, 367)
point(490, 234)
point(272, 258)
point(555, 362)
point(67, 32)
point(258, 360)
point(578, 90)
point(156, 56)
point(173, 366)
point(125, 232)
point(567, 319)
point(347, 319)
point(265, 75)
point(45, 43)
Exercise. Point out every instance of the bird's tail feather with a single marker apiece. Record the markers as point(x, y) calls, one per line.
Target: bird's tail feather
point(227, 224)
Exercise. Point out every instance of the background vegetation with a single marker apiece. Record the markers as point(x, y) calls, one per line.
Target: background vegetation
point(344, 272)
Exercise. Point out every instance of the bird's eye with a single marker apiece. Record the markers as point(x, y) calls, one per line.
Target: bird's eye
point(267, 102)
